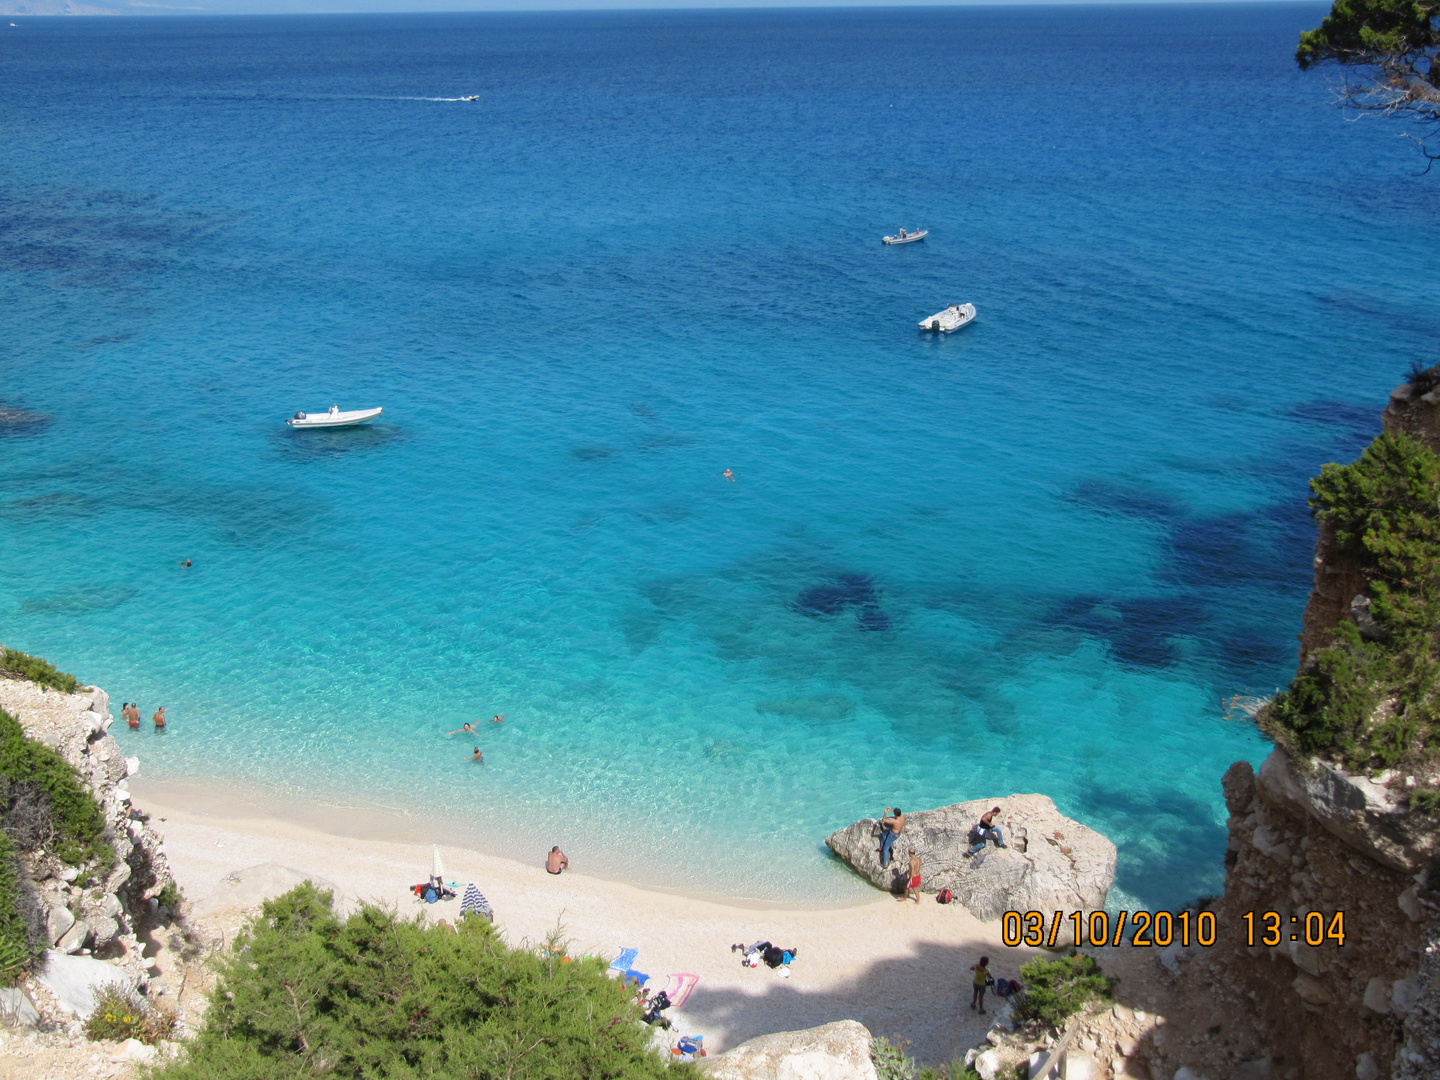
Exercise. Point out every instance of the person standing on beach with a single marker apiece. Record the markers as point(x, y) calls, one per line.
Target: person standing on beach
point(556, 862)
point(913, 885)
point(982, 979)
point(890, 828)
point(159, 718)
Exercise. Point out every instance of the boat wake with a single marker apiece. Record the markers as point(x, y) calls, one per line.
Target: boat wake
point(472, 97)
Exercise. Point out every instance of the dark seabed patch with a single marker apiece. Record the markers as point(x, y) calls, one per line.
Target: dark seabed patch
point(872, 618)
point(316, 445)
point(822, 707)
point(58, 504)
point(1137, 629)
point(643, 411)
point(17, 422)
point(594, 453)
point(107, 339)
point(77, 601)
point(836, 595)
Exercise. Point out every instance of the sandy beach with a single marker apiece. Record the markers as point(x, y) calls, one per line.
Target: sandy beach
point(899, 968)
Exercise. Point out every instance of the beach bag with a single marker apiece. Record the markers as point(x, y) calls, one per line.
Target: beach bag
point(774, 957)
point(944, 896)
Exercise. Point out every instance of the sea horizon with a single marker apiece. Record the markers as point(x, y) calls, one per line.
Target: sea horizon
point(1037, 555)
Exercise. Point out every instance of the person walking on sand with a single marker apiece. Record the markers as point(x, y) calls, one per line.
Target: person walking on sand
point(890, 828)
point(556, 862)
point(913, 885)
point(159, 718)
point(982, 979)
point(462, 728)
point(477, 756)
point(986, 830)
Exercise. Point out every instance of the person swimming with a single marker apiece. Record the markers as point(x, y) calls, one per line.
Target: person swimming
point(498, 719)
point(477, 756)
point(462, 728)
point(728, 475)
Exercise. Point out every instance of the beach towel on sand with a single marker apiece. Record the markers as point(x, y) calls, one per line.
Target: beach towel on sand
point(624, 960)
point(678, 988)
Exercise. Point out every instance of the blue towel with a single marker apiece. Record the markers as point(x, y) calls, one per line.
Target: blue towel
point(624, 960)
point(639, 976)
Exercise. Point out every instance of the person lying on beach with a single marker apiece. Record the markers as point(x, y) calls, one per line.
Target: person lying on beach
point(890, 828)
point(159, 718)
point(556, 862)
point(913, 886)
point(477, 756)
point(463, 727)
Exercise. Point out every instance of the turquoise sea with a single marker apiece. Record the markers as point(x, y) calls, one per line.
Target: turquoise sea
point(1032, 556)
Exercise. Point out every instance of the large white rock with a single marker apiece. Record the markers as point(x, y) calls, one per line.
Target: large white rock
point(838, 1051)
point(1052, 863)
point(1079, 1065)
point(16, 1008)
point(57, 922)
point(1364, 813)
point(75, 980)
point(251, 887)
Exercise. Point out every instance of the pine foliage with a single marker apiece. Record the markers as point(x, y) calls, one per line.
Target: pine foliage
point(382, 997)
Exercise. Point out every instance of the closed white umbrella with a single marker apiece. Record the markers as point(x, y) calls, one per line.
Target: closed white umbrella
point(437, 865)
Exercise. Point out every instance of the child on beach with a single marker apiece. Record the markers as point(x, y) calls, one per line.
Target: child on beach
point(914, 884)
point(982, 979)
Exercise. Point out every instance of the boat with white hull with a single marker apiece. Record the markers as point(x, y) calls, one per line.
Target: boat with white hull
point(951, 319)
point(334, 418)
point(903, 237)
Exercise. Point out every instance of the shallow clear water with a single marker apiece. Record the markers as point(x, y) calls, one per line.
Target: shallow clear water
point(1033, 556)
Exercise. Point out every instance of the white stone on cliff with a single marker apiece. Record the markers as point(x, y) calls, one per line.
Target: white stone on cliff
point(77, 980)
point(838, 1051)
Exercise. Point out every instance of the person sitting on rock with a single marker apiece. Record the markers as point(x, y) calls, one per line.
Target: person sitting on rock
point(890, 828)
point(986, 830)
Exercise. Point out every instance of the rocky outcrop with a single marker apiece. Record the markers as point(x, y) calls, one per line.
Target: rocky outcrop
point(251, 887)
point(92, 911)
point(1051, 863)
point(838, 1051)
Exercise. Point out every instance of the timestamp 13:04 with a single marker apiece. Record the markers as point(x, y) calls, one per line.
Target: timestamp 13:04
point(1163, 928)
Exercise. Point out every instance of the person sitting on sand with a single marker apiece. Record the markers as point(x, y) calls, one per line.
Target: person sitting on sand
point(159, 718)
point(477, 756)
point(890, 828)
point(913, 885)
point(986, 830)
point(982, 979)
point(462, 728)
point(556, 862)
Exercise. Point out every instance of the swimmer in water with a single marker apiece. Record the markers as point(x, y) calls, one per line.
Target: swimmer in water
point(477, 756)
point(728, 475)
point(132, 716)
point(187, 562)
point(498, 719)
point(159, 718)
point(465, 727)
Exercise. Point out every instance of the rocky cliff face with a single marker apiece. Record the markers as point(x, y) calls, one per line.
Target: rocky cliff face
point(89, 913)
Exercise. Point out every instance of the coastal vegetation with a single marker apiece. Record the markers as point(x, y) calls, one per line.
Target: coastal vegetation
point(122, 1014)
point(43, 804)
point(377, 995)
point(21, 936)
point(24, 666)
point(1395, 43)
point(1057, 989)
point(1370, 698)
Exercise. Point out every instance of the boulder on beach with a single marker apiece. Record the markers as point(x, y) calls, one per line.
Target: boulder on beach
point(251, 887)
point(836, 1051)
point(1051, 863)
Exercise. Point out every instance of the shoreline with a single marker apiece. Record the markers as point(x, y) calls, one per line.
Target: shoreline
point(897, 967)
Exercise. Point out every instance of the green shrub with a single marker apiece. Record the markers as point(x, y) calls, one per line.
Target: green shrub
point(383, 997)
point(890, 1060)
point(1057, 989)
point(15, 662)
point(1385, 511)
point(78, 822)
point(21, 918)
point(170, 896)
point(1425, 801)
point(121, 1014)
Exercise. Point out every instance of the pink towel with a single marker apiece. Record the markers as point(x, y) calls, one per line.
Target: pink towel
point(679, 988)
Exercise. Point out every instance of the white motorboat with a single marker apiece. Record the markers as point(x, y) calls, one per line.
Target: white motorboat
point(334, 418)
point(903, 237)
point(472, 97)
point(951, 319)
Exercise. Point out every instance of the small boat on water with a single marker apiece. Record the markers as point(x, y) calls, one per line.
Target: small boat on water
point(903, 237)
point(472, 97)
point(951, 319)
point(334, 418)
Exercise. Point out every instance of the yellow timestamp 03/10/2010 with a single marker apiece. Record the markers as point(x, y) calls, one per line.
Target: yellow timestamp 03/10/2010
point(1160, 929)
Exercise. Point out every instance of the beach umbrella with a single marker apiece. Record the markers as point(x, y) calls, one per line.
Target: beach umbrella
point(474, 902)
point(437, 865)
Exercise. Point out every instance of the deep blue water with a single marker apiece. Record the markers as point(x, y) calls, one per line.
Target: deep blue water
point(1033, 556)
